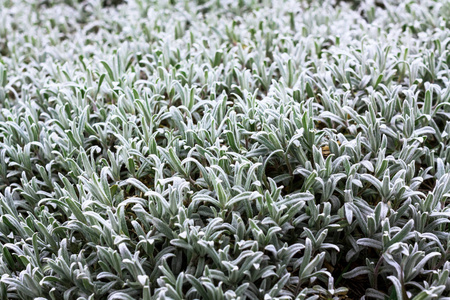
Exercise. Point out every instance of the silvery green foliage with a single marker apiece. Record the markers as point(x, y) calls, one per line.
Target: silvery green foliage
point(224, 149)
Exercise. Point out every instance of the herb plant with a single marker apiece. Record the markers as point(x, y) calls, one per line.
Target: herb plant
point(224, 149)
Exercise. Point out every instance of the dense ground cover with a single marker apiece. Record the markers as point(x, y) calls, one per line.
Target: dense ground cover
point(224, 149)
